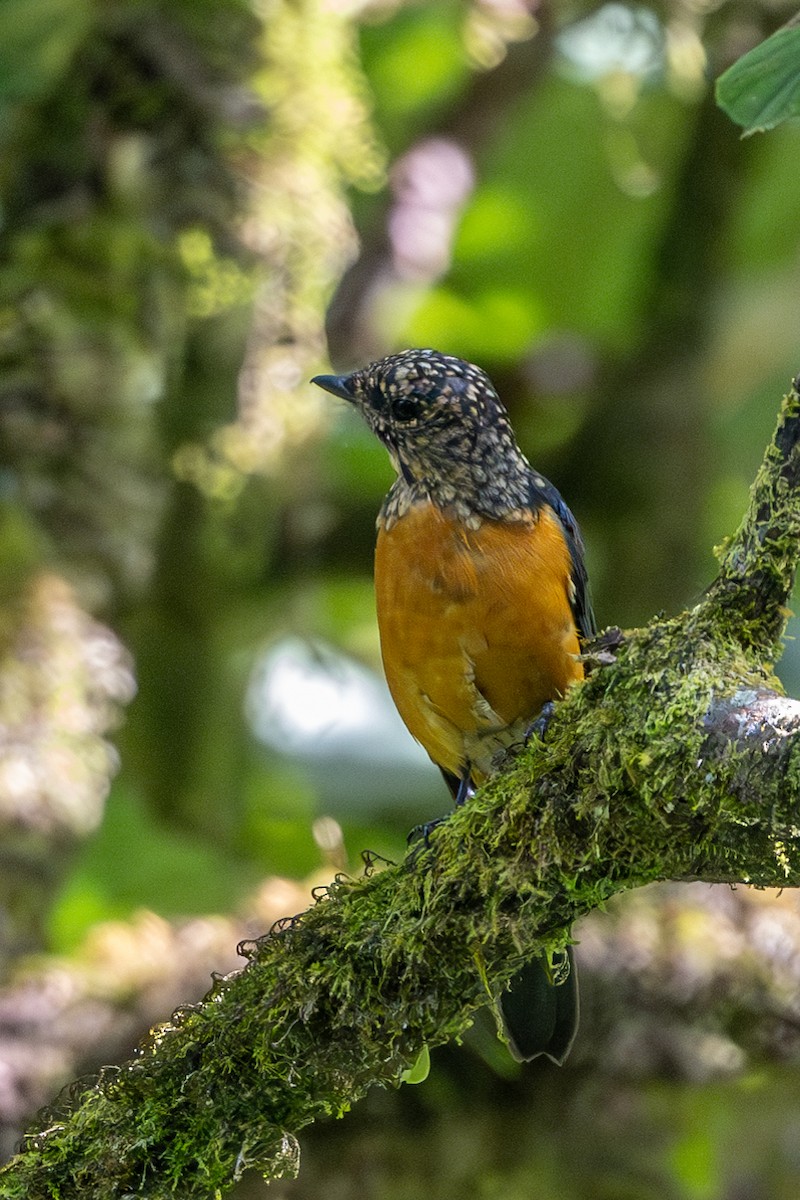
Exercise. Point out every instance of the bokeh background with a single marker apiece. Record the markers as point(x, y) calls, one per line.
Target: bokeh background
point(203, 203)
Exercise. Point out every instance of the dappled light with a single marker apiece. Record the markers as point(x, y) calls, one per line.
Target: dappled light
point(335, 719)
point(63, 682)
point(298, 229)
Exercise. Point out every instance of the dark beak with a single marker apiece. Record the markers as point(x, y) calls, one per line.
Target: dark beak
point(337, 385)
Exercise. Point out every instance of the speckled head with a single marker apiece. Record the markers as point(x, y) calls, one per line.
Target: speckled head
point(440, 419)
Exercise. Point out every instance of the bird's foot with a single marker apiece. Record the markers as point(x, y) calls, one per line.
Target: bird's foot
point(538, 728)
point(422, 833)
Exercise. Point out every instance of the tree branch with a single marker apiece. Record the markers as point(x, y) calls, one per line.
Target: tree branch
point(675, 759)
point(758, 566)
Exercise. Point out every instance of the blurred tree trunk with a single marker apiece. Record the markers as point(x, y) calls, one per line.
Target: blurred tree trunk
point(647, 440)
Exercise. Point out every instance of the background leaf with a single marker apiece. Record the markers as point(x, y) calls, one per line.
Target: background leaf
point(762, 89)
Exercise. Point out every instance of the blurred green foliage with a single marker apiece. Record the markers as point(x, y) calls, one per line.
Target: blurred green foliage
point(642, 1141)
point(422, 66)
point(172, 185)
point(169, 872)
point(38, 43)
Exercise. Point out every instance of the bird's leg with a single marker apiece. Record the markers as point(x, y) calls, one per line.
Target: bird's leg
point(462, 790)
point(538, 728)
point(465, 788)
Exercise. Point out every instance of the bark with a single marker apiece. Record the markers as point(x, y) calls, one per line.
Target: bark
point(676, 759)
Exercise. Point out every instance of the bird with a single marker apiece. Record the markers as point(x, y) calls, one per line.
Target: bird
point(482, 603)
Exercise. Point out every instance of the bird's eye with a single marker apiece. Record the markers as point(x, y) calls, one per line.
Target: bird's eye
point(405, 407)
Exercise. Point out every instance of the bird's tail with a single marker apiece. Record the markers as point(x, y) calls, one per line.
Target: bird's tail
point(540, 1010)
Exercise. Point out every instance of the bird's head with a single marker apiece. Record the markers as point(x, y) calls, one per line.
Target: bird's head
point(438, 416)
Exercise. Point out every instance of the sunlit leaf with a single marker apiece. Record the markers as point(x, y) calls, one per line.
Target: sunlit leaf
point(493, 324)
point(421, 63)
point(419, 1072)
point(762, 89)
point(497, 221)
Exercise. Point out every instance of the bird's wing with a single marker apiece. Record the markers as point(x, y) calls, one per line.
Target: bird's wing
point(542, 491)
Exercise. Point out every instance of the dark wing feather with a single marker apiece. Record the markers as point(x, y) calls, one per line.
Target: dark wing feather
point(543, 492)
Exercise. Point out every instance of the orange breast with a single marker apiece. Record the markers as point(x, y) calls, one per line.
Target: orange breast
point(476, 629)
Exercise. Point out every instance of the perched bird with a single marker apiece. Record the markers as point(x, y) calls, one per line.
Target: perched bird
point(482, 600)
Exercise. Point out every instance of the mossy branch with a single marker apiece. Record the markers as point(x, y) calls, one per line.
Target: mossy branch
point(757, 568)
point(677, 758)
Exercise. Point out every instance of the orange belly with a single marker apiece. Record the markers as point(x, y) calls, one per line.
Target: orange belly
point(476, 629)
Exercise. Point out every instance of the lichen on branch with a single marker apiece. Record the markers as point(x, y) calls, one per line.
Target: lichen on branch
point(677, 758)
